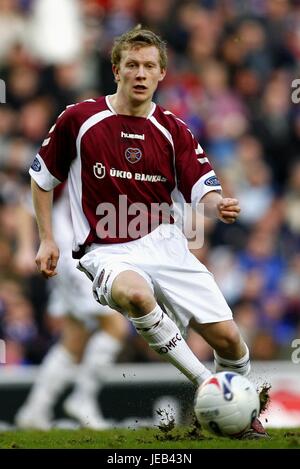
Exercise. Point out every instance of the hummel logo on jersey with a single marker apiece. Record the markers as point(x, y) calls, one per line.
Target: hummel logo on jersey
point(99, 170)
point(137, 136)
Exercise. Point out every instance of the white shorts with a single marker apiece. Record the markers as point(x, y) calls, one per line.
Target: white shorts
point(71, 293)
point(178, 279)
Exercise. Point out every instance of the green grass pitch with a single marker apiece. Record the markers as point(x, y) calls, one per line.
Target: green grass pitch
point(142, 438)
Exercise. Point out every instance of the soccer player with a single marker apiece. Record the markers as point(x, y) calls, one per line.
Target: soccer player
point(91, 335)
point(127, 160)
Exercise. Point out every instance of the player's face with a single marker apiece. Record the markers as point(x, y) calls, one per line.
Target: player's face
point(138, 73)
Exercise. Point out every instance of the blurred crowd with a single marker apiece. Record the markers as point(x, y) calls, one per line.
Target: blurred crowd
point(230, 74)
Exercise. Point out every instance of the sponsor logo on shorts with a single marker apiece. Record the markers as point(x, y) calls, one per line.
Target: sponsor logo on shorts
point(170, 345)
point(212, 181)
point(133, 155)
point(36, 165)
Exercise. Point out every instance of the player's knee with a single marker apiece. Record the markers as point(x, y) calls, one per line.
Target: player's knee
point(141, 299)
point(137, 300)
point(230, 342)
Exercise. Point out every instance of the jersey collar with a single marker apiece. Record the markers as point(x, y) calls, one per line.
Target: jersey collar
point(110, 107)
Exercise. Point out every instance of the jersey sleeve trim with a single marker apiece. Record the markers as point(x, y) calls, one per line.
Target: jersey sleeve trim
point(169, 137)
point(207, 183)
point(42, 176)
point(90, 122)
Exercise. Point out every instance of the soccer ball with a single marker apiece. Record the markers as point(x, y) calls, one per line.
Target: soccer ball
point(226, 404)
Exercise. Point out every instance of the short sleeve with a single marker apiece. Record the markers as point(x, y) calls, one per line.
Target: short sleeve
point(52, 163)
point(195, 175)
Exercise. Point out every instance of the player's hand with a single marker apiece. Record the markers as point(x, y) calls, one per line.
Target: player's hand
point(228, 210)
point(47, 258)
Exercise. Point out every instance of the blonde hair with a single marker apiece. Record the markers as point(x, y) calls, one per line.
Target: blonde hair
point(139, 36)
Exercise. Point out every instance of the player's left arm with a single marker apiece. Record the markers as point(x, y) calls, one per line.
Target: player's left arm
point(225, 209)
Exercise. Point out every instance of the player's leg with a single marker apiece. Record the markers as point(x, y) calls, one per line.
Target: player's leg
point(196, 300)
point(54, 375)
point(230, 350)
point(121, 284)
point(131, 292)
point(102, 349)
point(196, 297)
point(74, 337)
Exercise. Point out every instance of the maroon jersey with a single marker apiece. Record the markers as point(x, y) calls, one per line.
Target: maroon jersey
point(121, 169)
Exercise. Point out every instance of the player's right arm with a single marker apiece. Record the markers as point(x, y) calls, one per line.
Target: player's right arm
point(48, 253)
point(49, 168)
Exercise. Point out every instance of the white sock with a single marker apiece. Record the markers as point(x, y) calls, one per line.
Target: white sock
point(55, 373)
point(164, 337)
point(241, 366)
point(102, 349)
